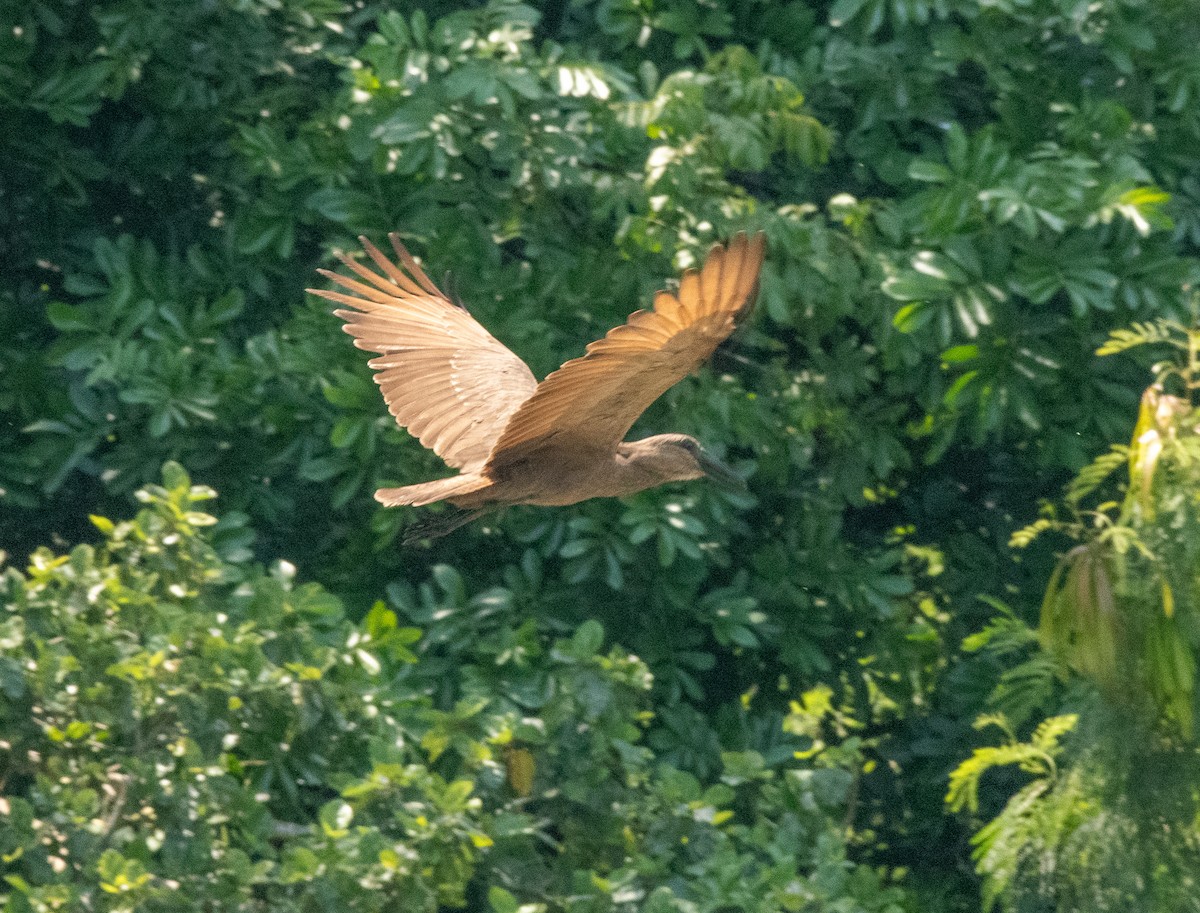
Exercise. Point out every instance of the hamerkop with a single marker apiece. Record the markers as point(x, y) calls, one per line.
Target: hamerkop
point(515, 441)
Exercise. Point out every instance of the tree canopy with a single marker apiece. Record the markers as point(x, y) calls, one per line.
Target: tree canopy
point(684, 700)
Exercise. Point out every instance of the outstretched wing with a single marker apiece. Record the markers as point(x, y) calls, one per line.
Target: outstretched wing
point(444, 377)
point(592, 401)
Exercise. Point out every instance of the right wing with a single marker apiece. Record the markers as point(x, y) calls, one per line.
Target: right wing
point(592, 401)
point(444, 377)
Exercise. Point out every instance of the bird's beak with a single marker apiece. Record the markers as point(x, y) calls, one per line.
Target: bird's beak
point(721, 474)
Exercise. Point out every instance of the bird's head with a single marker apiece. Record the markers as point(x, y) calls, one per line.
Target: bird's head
point(679, 457)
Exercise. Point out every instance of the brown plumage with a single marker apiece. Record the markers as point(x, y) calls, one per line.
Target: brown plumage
point(465, 396)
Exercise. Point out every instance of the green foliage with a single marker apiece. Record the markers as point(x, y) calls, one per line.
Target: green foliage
point(1141, 334)
point(962, 200)
point(1030, 682)
point(1102, 826)
point(1119, 611)
point(183, 730)
point(1035, 757)
point(1120, 607)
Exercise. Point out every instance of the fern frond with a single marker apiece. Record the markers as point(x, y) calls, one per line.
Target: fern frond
point(1004, 634)
point(1026, 534)
point(1026, 687)
point(1097, 471)
point(1049, 731)
point(1140, 334)
point(964, 779)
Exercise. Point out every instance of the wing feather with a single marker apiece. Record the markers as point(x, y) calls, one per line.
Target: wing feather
point(443, 376)
point(595, 399)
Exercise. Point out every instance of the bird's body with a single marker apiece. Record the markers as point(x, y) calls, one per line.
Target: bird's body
point(558, 476)
point(515, 441)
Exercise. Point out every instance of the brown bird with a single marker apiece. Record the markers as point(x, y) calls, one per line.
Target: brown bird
point(465, 396)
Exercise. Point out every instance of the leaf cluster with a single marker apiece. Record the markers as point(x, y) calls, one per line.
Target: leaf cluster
point(185, 730)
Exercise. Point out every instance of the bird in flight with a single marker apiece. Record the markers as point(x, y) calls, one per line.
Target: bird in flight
point(475, 404)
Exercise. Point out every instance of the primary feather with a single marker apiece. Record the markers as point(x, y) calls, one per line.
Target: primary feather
point(595, 399)
point(444, 377)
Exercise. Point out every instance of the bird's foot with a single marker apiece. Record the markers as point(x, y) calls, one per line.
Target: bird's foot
point(434, 527)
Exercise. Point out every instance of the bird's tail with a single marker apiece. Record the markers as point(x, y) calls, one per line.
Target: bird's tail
point(432, 492)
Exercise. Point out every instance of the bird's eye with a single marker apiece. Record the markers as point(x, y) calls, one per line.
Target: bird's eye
point(689, 446)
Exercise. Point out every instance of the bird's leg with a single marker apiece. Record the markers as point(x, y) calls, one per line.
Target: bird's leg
point(443, 524)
